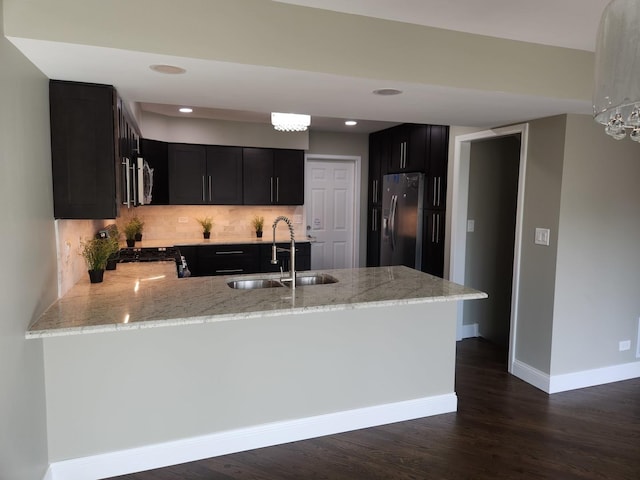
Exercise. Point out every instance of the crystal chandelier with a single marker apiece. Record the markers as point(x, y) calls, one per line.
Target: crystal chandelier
point(616, 98)
point(290, 122)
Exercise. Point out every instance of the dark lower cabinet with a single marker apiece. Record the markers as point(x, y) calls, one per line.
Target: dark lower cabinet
point(232, 259)
point(303, 257)
point(433, 246)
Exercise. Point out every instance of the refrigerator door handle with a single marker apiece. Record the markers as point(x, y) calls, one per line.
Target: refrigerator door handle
point(392, 220)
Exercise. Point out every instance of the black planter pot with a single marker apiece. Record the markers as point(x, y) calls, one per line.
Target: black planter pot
point(112, 263)
point(206, 234)
point(96, 276)
point(259, 233)
point(138, 237)
point(131, 243)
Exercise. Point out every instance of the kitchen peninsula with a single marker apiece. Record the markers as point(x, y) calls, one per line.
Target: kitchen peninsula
point(157, 370)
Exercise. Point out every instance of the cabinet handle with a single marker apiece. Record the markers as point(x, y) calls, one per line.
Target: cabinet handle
point(405, 155)
point(271, 187)
point(439, 191)
point(434, 191)
point(433, 228)
point(231, 252)
point(209, 188)
point(231, 270)
point(127, 181)
point(374, 227)
point(277, 189)
point(203, 198)
point(438, 228)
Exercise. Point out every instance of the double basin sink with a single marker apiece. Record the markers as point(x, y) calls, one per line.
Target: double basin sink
point(301, 281)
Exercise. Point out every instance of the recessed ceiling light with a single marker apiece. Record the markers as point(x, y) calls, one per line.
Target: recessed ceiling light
point(387, 91)
point(185, 110)
point(350, 123)
point(168, 69)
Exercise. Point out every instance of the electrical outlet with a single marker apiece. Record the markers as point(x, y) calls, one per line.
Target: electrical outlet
point(542, 236)
point(471, 226)
point(183, 219)
point(624, 345)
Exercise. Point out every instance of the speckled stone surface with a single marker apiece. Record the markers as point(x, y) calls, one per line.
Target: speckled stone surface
point(145, 295)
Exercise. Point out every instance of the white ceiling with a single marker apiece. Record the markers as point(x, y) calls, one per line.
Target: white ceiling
point(249, 92)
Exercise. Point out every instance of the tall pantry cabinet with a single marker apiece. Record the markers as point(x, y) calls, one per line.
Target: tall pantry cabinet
point(411, 148)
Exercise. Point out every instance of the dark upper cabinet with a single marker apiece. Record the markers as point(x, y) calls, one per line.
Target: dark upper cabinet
point(156, 154)
point(187, 174)
point(224, 168)
point(437, 154)
point(90, 135)
point(273, 176)
point(204, 174)
point(408, 144)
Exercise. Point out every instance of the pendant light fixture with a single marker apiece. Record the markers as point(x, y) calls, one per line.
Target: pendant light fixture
point(616, 97)
point(290, 122)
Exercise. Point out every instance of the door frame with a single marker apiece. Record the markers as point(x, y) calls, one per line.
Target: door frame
point(357, 177)
point(460, 196)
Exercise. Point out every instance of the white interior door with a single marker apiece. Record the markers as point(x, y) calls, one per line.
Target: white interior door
point(329, 211)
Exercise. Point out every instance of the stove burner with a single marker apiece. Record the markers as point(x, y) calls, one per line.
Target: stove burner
point(147, 254)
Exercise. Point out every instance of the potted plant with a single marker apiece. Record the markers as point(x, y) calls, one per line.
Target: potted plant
point(139, 225)
point(114, 237)
point(96, 252)
point(206, 223)
point(130, 230)
point(258, 224)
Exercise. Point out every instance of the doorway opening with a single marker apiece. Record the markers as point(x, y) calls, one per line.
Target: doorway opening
point(480, 184)
point(332, 210)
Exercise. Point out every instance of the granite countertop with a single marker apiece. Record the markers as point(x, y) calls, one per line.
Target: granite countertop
point(149, 294)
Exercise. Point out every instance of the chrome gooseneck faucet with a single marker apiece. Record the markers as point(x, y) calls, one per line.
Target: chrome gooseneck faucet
point(292, 252)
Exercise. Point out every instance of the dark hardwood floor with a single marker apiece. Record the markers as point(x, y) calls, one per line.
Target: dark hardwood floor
point(504, 429)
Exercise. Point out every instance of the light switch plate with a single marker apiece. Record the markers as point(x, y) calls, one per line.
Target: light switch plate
point(471, 225)
point(542, 236)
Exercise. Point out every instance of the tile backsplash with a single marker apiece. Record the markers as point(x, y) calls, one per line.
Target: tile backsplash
point(179, 222)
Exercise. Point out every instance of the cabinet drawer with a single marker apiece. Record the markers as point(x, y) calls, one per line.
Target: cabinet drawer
point(227, 259)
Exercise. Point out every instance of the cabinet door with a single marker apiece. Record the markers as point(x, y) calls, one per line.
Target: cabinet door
point(408, 148)
point(373, 236)
point(228, 259)
point(257, 176)
point(288, 174)
point(378, 161)
point(438, 151)
point(85, 167)
point(188, 181)
point(156, 154)
point(190, 254)
point(433, 254)
point(224, 175)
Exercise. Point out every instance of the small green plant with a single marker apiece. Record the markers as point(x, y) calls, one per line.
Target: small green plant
point(139, 224)
point(206, 223)
point(96, 252)
point(130, 229)
point(258, 223)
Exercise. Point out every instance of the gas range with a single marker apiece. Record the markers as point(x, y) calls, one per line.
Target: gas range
point(148, 254)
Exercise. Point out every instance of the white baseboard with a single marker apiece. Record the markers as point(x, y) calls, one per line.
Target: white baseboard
point(470, 331)
point(49, 474)
point(597, 376)
point(207, 446)
point(573, 381)
point(531, 375)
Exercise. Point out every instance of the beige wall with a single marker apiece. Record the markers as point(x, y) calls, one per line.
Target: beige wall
point(597, 300)
point(218, 132)
point(538, 263)
point(28, 281)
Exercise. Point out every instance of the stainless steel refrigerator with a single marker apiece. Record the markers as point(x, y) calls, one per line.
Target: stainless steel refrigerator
point(401, 232)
